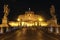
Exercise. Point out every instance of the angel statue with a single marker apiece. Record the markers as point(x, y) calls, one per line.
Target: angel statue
point(6, 10)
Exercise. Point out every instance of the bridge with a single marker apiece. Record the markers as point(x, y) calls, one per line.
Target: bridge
point(29, 20)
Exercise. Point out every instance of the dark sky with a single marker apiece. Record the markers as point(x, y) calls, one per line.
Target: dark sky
point(20, 6)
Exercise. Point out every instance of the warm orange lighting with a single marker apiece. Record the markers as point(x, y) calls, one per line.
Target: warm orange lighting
point(30, 24)
point(40, 19)
point(13, 24)
point(35, 23)
point(18, 19)
point(27, 24)
point(23, 23)
point(44, 24)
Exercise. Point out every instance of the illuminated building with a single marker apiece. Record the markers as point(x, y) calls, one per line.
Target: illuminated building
point(30, 19)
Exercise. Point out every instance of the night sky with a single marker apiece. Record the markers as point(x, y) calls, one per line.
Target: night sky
point(20, 6)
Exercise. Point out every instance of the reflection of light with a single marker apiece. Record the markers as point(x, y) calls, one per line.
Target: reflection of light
point(24, 30)
point(13, 24)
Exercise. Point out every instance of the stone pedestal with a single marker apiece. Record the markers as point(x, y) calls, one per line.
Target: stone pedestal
point(57, 30)
point(1, 31)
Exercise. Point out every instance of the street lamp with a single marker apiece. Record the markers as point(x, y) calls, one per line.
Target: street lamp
point(18, 21)
point(40, 20)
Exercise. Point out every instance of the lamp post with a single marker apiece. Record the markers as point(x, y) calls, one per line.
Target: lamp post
point(18, 21)
point(40, 20)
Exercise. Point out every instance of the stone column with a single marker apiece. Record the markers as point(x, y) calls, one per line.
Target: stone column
point(7, 29)
point(1, 30)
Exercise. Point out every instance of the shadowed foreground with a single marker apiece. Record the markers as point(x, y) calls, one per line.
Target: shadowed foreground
point(25, 34)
